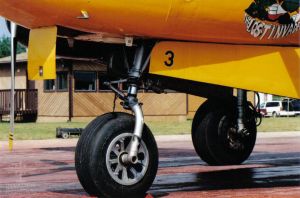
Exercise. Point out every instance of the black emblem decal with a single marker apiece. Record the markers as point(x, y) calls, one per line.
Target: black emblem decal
point(273, 19)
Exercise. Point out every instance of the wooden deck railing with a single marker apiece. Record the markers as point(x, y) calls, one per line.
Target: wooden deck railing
point(26, 101)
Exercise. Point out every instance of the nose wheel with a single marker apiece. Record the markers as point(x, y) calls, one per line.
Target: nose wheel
point(101, 164)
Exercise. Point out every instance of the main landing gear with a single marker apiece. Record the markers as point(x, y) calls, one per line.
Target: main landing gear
point(224, 132)
point(116, 155)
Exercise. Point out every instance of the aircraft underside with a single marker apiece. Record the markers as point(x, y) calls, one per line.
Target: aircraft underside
point(116, 155)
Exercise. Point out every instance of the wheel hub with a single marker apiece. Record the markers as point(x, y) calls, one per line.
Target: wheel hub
point(229, 134)
point(234, 139)
point(122, 170)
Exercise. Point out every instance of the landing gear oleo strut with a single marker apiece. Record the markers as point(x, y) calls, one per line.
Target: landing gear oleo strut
point(117, 153)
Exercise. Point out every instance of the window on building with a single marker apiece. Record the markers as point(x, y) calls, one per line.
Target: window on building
point(62, 81)
point(85, 81)
point(102, 79)
point(49, 85)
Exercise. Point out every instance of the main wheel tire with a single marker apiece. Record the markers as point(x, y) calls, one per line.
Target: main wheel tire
point(222, 144)
point(83, 150)
point(200, 145)
point(111, 176)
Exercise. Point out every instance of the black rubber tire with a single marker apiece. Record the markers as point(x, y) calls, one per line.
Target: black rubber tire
point(200, 144)
point(105, 184)
point(199, 115)
point(83, 149)
point(58, 135)
point(214, 128)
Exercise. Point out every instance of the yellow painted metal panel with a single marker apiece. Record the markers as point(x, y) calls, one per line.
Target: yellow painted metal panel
point(42, 53)
point(192, 20)
point(274, 70)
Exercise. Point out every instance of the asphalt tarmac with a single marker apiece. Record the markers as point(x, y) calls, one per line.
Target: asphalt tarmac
point(46, 169)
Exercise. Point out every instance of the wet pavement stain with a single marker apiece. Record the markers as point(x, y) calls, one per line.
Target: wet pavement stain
point(49, 172)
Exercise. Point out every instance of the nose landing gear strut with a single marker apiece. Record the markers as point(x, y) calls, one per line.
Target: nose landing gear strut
point(117, 153)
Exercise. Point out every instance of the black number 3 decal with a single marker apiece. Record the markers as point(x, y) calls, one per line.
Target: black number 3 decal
point(171, 57)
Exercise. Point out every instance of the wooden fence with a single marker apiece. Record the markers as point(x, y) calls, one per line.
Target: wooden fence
point(26, 102)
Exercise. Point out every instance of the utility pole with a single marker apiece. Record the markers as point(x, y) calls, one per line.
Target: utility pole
point(13, 45)
point(288, 107)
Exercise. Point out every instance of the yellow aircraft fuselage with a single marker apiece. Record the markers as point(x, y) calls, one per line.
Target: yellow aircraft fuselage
point(271, 64)
point(191, 20)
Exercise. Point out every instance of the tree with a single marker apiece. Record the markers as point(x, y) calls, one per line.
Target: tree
point(5, 47)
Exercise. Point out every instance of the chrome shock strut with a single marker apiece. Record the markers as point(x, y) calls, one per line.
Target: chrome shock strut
point(241, 95)
point(241, 110)
point(131, 102)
